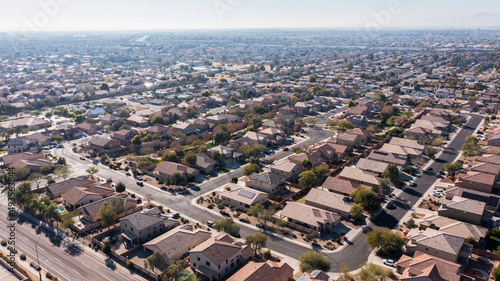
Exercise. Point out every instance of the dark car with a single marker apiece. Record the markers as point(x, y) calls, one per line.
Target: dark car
point(366, 229)
point(390, 205)
point(82, 158)
point(285, 149)
point(140, 183)
point(428, 168)
point(412, 183)
point(176, 216)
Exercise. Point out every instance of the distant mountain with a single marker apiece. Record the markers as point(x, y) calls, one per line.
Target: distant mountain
point(481, 20)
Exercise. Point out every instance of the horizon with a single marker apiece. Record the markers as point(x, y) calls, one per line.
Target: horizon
point(156, 15)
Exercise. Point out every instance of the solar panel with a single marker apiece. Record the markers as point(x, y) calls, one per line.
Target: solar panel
point(246, 194)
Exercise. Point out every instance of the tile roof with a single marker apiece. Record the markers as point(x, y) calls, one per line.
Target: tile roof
point(339, 185)
point(219, 249)
point(328, 199)
point(263, 271)
point(267, 177)
point(310, 215)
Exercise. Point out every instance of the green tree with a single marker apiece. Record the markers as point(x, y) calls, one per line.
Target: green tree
point(79, 118)
point(430, 151)
point(392, 173)
point(227, 226)
point(496, 273)
point(157, 261)
point(385, 240)
point(250, 169)
point(173, 271)
point(311, 121)
point(216, 155)
point(373, 272)
point(104, 86)
point(280, 223)
point(384, 186)
point(306, 164)
point(36, 179)
point(23, 193)
point(369, 200)
point(312, 260)
point(51, 212)
point(471, 146)
point(384, 116)
point(92, 171)
point(107, 214)
point(120, 187)
point(344, 125)
point(191, 159)
point(136, 140)
point(21, 173)
point(252, 150)
point(257, 241)
point(124, 113)
point(256, 209)
point(356, 212)
point(453, 168)
point(308, 179)
point(321, 170)
point(62, 172)
point(156, 119)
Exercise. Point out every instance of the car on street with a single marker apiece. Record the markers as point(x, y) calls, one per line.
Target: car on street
point(365, 229)
point(413, 184)
point(390, 205)
point(285, 149)
point(176, 216)
point(140, 183)
point(428, 168)
point(438, 175)
point(210, 223)
point(128, 174)
point(138, 200)
point(389, 262)
point(82, 158)
point(95, 162)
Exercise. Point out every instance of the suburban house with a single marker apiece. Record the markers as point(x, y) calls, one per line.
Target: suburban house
point(407, 143)
point(89, 128)
point(33, 165)
point(297, 159)
point(309, 218)
point(427, 267)
point(347, 139)
point(168, 169)
point(158, 130)
point(178, 241)
point(329, 201)
point(185, 128)
point(267, 181)
point(57, 189)
point(340, 186)
point(124, 135)
point(289, 170)
point(359, 177)
point(388, 157)
point(492, 201)
point(476, 180)
point(9, 159)
point(242, 197)
point(488, 168)
point(442, 245)
point(18, 145)
point(463, 209)
point(80, 196)
point(111, 146)
point(218, 256)
point(228, 155)
point(138, 121)
point(90, 212)
point(205, 163)
point(269, 271)
point(403, 152)
point(143, 226)
point(24, 123)
point(454, 227)
point(371, 166)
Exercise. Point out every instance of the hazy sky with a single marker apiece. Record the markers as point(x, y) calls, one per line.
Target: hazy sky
point(87, 15)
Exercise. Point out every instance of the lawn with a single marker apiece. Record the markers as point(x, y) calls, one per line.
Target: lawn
point(302, 200)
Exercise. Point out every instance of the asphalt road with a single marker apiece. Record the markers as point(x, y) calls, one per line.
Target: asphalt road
point(60, 256)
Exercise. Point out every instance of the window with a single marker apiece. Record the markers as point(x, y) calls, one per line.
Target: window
point(194, 264)
point(207, 263)
point(198, 258)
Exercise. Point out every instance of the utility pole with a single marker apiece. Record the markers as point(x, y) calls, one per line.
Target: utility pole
point(37, 260)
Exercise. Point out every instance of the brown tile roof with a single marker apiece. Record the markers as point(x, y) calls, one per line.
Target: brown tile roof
point(339, 185)
point(263, 271)
point(423, 265)
point(309, 215)
point(219, 249)
point(170, 168)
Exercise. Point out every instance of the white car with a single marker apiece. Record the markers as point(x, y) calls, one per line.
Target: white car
point(390, 262)
point(437, 194)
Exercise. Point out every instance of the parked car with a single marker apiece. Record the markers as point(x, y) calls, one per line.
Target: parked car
point(390, 262)
point(390, 205)
point(428, 168)
point(138, 200)
point(210, 223)
point(365, 229)
point(412, 183)
point(140, 183)
point(286, 149)
point(82, 158)
point(176, 216)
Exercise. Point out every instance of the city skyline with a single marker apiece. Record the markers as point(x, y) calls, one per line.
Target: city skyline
point(78, 15)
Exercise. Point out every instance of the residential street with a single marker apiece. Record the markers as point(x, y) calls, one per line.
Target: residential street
point(61, 257)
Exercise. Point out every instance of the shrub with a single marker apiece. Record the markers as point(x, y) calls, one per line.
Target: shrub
point(342, 232)
point(234, 180)
point(130, 264)
point(4, 243)
point(267, 254)
point(227, 188)
point(106, 248)
point(48, 275)
point(22, 257)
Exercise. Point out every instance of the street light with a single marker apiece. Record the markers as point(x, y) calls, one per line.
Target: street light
point(37, 260)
